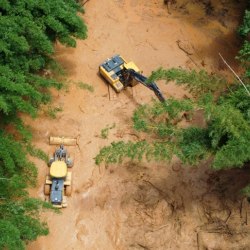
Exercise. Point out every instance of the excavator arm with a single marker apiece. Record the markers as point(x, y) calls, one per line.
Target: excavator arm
point(130, 74)
point(121, 74)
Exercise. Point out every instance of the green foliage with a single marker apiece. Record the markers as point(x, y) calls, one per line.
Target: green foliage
point(117, 151)
point(19, 223)
point(192, 145)
point(105, 131)
point(246, 190)
point(86, 86)
point(52, 111)
point(229, 129)
point(17, 95)
point(19, 215)
point(28, 31)
point(238, 99)
point(245, 27)
point(13, 160)
point(244, 53)
point(10, 236)
point(226, 135)
point(198, 83)
point(160, 118)
point(36, 152)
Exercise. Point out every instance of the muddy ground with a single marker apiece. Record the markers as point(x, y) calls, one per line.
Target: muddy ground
point(141, 205)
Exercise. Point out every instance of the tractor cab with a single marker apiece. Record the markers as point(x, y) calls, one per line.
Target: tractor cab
point(58, 173)
point(58, 183)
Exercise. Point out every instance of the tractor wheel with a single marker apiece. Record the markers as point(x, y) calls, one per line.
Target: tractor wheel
point(68, 190)
point(70, 162)
point(46, 189)
point(51, 160)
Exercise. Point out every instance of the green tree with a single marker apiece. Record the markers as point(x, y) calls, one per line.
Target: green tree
point(244, 53)
point(28, 31)
point(226, 134)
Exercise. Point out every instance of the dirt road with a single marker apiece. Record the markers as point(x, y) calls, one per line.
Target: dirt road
point(137, 206)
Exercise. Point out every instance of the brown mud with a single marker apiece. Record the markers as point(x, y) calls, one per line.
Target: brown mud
point(141, 205)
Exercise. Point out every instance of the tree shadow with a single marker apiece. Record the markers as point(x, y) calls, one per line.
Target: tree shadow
point(63, 55)
point(227, 45)
point(219, 21)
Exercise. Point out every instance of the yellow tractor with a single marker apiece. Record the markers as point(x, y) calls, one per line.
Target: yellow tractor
point(120, 74)
point(58, 183)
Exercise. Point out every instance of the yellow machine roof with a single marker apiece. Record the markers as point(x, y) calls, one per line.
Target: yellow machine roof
point(131, 65)
point(58, 169)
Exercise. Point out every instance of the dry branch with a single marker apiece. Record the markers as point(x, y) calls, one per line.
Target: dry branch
point(237, 77)
point(187, 52)
point(85, 2)
point(182, 47)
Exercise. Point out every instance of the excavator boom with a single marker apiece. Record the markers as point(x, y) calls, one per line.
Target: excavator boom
point(143, 80)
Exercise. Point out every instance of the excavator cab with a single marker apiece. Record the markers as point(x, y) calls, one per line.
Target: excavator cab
point(111, 70)
point(120, 74)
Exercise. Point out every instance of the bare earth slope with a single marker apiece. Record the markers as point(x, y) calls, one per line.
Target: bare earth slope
point(138, 206)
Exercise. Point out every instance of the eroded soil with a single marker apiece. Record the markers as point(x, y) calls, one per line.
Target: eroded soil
point(146, 205)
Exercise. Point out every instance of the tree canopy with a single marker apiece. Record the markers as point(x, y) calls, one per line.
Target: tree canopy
point(28, 31)
point(225, 136)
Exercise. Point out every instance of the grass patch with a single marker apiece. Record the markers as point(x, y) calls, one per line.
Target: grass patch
point(105, 131)
point(86, 86)
point(52, 111)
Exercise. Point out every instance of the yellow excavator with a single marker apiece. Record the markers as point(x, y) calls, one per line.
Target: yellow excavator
point(120, 74)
